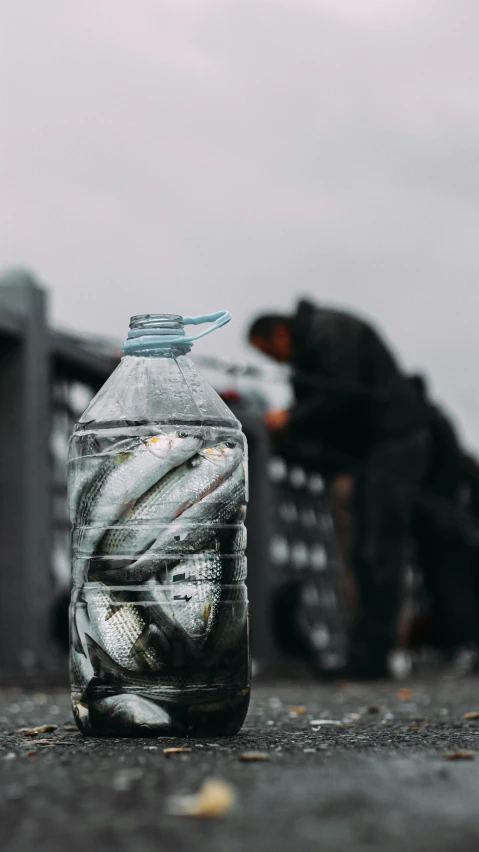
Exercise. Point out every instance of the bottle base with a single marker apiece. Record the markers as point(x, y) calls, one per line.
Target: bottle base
point(131, 715)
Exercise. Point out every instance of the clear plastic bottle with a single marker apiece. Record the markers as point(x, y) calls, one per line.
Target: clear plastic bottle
point(157, 492)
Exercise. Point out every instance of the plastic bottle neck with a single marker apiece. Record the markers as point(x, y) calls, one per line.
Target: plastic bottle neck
point(164, 334)
point(156, 335)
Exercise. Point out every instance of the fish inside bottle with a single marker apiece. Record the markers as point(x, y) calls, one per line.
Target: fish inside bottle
point(159, 611)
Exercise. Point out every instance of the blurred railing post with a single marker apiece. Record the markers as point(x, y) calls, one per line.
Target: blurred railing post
point(25, 518)
point(258, 525)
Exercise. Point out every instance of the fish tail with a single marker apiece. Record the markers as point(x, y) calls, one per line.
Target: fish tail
point(104, 666)
point(76, 640)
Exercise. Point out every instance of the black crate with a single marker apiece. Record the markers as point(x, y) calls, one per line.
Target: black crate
point(309, 591)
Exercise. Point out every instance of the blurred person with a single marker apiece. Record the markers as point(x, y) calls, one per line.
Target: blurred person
point(471, 499)
point(443, 519)
point(354, 413)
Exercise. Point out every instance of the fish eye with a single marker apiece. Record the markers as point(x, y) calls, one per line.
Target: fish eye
point(183, 434)
point(230, 444)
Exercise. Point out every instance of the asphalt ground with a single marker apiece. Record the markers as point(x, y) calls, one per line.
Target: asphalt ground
point(377, 779)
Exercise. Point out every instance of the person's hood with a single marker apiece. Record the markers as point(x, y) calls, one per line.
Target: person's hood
point(302, 320)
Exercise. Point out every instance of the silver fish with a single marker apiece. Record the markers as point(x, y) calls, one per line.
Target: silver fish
point(136, 635)
point(190, 593)
point(124, 477)
point(80, 712)
point(82, 470)
point(131, 713)
point(117, 627)
point(169, 497)
point(194, 530)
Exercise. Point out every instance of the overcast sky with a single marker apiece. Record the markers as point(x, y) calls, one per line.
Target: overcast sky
point(190, 155)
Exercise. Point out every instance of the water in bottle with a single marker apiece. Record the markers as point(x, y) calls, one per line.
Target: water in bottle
point(157, 493)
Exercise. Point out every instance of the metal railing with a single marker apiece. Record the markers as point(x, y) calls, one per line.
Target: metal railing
point(39, 369)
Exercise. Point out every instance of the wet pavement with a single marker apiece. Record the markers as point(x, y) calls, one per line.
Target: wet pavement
point(345, 767)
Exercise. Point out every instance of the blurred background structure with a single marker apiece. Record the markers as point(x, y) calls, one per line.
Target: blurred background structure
point(186, 155)
point(47, 378)
point(301, 520)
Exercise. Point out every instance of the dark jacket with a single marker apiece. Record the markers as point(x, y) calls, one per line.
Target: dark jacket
point(445, 472)
point(350, 393)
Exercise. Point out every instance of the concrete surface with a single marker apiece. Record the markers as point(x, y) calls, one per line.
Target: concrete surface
point(378, 782)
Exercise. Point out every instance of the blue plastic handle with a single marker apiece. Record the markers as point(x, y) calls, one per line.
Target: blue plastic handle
point(218, 319)
point(157, 338)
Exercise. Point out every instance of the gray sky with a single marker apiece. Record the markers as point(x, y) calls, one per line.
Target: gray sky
point(190, 155)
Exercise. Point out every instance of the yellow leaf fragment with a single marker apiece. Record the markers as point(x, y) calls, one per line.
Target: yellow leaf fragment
point(214, 799)
point(472, 715)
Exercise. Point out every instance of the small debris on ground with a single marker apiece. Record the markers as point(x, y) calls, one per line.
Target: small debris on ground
point(214, 799)
point(474, 714)
point(462, 754)
point(176, 750)
point(325, 722)
point(405, 694)
point(28, 732)
point(298, 711)
point(254, 755)
point(70, 728)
